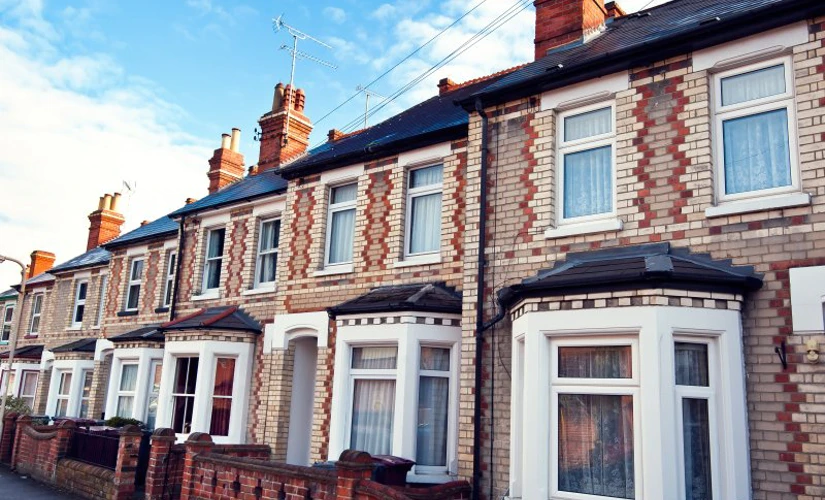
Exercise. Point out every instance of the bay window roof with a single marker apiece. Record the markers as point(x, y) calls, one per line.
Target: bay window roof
point(644, 266)
point(424, 297)
point(25, 352)
point(149, 332)
point(215, 318)
point(82, 345)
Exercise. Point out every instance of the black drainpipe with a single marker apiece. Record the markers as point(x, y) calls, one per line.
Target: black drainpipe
point(181, 241)
point(482, 237)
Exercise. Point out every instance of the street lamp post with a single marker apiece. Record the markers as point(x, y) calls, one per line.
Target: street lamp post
point(18, 310)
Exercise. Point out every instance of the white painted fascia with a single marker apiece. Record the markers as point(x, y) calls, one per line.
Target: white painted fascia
point(287, 327)
point(171, 244)
point(272, 207)
point(751, 49)
point(807, 299)
point(343, 174)
point(137, 251)
point(431, 154)
point(584, 93)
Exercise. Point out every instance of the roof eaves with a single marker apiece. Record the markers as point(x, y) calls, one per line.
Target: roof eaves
point(704, 36)
point(182, 212)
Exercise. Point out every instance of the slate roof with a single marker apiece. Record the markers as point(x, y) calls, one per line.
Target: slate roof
point(163, 227)
point(25, 352)
point(8, 294)
point(82, 345)
point(435, 120)
point(644, 266)
point(36, 280)
point(149, 332)
point(250, 187)
point(97, 256)
point(215, 318)
point(424, 297)
point(677, 27)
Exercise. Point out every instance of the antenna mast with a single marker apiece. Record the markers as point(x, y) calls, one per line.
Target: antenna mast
point(367, 93)
point(296, 34)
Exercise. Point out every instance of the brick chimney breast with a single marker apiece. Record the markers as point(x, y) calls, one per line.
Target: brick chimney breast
point(105, 222)
point(559, 22)
point(279, 142)
point(41, 261)
point(445, 85)
point(226, 164)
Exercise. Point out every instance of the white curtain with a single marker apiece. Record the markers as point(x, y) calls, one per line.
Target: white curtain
point(595, 362)
point(757, 152)
point(343, 194)
point(753, 85)
point(128, 378)
point(426, 176)
point(592, 123)
point(374, 358)
point(341, 236)
point(372, 416)
point(431, 441)
point(692, 364)
point(425, 226)
point(696, 438)
point(588, 183)
point(270, 232)
point(596, 445)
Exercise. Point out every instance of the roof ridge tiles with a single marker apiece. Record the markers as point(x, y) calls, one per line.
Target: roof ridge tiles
point(480, 79)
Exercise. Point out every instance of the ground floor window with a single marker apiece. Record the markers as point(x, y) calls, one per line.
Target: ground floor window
point(222, 397)
point(183, 394)
point(433, 407)
point(64, 387)
point(155, 370)
point(373, 399)
point(85, 393)
point(70, 388)
point(28, 388)
point(126, 390)
point(7, 383)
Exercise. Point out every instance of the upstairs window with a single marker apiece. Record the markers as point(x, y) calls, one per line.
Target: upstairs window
point(169, 282)
point(424, 210)
point(586, 163)
point(101, 301)
point(755, 132)
point(37, 308)
point(341, 224)
point(214, 259)
point(267, 262)
point(133, 288)
point(8, 322)
point(79, 303)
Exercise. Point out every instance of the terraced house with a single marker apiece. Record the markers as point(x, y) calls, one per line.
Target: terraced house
point(597, 275)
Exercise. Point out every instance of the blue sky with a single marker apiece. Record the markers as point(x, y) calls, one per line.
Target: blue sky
point(97, 92)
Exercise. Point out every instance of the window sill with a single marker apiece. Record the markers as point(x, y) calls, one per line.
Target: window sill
point(259, 291)
point(32, 336)
point(599, 226)
point(430, 478)
point(421, 260)
point(759, 204)
point(333, 270)
point(74, 328)
point(121, 314)
point(215, 294)
point(160, 310)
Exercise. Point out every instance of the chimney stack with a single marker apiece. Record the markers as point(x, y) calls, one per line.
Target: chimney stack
point(559, 22)
point(190, 200)
point(282, 141)
point(226, 164)
point(41, 261)
point(105, 222)
point(334, 134)
point(445, 85)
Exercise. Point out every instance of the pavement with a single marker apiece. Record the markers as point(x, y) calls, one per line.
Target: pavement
point(14, 487)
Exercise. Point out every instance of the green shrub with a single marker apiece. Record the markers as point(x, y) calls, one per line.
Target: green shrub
point(123, 422)
point(17, 405)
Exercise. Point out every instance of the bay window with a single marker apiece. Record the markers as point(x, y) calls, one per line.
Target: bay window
point(423, 225)
point(64, 392)
point(341, 224)
point(222, 397)
point(214, 259)
point(155, 370)
point(28, 388)
point(37, 308)
point(8, 322)
point(373, 399)
point(755, 130)
point(85, 393)
point(586, 172)
point(169, 281)
point(133, 286)
point(7, 382)
point(183, 394)
point(267, 261)
point(433, 408)
point(79, 308)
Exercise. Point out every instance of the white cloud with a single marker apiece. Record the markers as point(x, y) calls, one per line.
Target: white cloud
point(74, 127)
point(335, 14)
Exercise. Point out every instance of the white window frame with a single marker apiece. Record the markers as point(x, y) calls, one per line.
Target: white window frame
point(415, 193)
point(26, 397)
point(339, 207)
point(79, 302)
point(144, 357)
point(754, 107)
point(213, 397)
point(592, 386)
point(210, 261)
point(130, 283)
point(8, 383)
point(7, 322)
point(101, 302)
point(169, 278)
point(86, 399)
point(64, 396)
point(409, 337)
point(370, 374)
point(76, 368)
point(655, 328)
point(128, 394)
point(36, 314)
point(708, 393)
point(567, 147)
point(263, 253)
point(450, 376)
point(153, 363)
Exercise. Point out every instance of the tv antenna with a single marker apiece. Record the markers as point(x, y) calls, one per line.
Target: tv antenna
point(277, 25)
point(368, 93)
